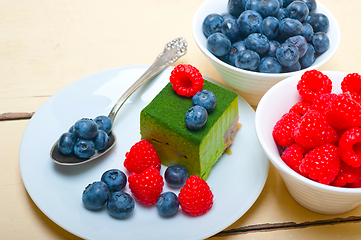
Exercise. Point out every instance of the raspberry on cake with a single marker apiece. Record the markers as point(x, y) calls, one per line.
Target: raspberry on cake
point(162, 124)
point(186, 80)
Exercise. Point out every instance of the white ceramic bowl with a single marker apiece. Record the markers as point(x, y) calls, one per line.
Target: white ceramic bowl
point(252, 85)
point(310, 194)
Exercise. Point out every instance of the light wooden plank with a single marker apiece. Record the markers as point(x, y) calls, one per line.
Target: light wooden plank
point(46, 45)
point(349, 231)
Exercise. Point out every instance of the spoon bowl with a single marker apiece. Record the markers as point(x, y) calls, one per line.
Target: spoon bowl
point(171, 53)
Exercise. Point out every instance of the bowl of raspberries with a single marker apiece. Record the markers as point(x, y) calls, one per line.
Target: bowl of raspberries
point(309, 125)
point(254, 44)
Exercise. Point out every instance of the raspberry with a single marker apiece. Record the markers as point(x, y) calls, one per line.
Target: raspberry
point(313, 131)
point(357, 182)
point(350, 147)
point(146, 186)
point(186, 80)
point(322, 102)
point(141, 156)
point(293, 156)
point(322, 164)
point(301, 107)
point(282, 131)
point(344, 112)
point(312, 84)
point(352, 84)
point(346, 175)
point(195, 197)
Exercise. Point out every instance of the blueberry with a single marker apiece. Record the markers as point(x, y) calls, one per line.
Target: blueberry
point(212, 24)
point(309, 58)
point(307, 32)
point(206, 99)
point(236, 48)
point(307, 19)
point(269, 65)
point(269, 27)
point(236, 7)
point(104, 123)
point(287, 54)
point(86, 128)
point(240, 46)
point(311, 4)
point(320, 42)
point(101, 140)
point(248, 60)
point(289, 27)
point(287, 2)
point(300, 42)
point(257, 42)
point(72, 130)
point(120, 205)
point(231, 56)
point(249, 22)
point(252, 5)
point(281, 14)
point(295, 67)
point(66, 143)
point(196, 117)
point(268, 8)
point(95, 195)
point(218, 44)
point(115, 180)
point(227, 15)
point(281, 3)
point(273, 46)
point(176, 175)
point(319, 22)
point(84, 148)
point(231, 30)
point(167, 204)
point(297, 10)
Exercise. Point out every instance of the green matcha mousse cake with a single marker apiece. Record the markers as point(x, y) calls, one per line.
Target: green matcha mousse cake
point(162, 124)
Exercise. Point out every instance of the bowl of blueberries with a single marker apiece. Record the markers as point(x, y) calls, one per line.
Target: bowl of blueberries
point(253, 44)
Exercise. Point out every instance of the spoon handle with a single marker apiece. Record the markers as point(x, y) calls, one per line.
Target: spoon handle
point(172, 51)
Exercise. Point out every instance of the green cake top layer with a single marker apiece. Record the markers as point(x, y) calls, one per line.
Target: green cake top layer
point(170, 109)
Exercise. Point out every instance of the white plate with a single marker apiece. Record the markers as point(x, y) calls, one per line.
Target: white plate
point(236, 180)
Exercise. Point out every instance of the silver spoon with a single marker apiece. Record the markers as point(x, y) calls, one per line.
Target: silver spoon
point(172, 51)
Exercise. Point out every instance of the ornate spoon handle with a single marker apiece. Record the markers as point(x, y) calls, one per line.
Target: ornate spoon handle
point(172, 51)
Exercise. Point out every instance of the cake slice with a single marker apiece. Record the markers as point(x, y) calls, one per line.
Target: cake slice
point(162, 124)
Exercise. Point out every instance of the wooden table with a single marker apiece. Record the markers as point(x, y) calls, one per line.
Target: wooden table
point(46, 45)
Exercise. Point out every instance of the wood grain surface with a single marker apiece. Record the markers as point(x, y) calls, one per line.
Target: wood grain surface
point(47, 44)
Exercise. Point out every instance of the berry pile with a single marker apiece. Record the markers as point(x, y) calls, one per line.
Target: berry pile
point(109, 191)
point(268, 36)
point(320, 136)
point(146, 186)
point(187, 81)
point(86, 137)
point(204, 102)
